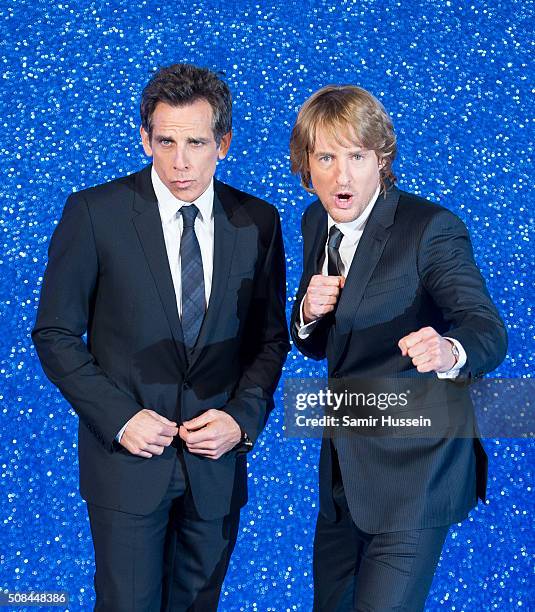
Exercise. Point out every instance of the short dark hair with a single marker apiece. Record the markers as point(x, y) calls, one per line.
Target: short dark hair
point(183, 84)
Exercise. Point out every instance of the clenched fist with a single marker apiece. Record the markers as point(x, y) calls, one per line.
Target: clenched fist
point(429, 351)
point(321, 297)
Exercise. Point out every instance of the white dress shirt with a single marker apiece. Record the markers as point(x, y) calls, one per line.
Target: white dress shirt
point(172, 224)
point(352, 233)
point(169, 208)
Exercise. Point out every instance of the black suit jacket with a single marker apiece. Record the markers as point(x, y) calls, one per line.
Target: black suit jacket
point(413, 267)
point(108, 275)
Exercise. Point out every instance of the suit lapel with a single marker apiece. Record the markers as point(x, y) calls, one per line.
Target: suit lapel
point(368, 253)
point(319, 240)
point(148, 226)
point(225, 234)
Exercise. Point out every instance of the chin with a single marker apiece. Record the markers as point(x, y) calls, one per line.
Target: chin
point(341, 215)
point(186, 195)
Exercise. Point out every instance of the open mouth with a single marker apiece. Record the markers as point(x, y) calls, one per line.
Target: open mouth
point(343, 199)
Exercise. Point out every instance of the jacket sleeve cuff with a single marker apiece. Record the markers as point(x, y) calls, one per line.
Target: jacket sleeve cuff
point(304, 330)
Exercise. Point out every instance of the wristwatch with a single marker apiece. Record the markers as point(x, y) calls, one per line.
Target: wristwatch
point(245, 444)
point(455, 352)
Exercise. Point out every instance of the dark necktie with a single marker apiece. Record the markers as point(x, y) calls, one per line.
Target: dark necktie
point(334, 261)
point(192, 276)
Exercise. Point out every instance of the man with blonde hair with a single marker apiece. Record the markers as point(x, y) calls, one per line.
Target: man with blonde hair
point(389, 289)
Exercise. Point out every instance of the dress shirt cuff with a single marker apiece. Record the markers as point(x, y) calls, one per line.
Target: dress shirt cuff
point(304, 331)
point(121, 431)
point(454, 372)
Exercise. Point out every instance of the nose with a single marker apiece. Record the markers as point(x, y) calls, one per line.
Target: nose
point(342, 173)
point(181, 161)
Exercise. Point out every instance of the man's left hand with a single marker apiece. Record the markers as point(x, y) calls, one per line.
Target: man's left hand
point(429, 351)
point(211, 434)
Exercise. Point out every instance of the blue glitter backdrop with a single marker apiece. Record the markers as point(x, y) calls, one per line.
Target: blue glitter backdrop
point(455, 77)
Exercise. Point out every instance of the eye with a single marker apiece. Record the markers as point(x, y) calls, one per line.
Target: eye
point(165, 142)
point(197, 143)
point(325, 158)
point(357, 156)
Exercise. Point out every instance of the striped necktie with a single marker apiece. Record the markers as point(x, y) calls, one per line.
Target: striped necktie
point(192, 277)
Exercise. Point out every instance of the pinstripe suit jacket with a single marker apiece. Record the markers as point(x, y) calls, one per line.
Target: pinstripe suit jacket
point(414, 267)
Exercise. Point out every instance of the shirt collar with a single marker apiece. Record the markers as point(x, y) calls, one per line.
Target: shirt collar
point(351, 229)
point(169, 205)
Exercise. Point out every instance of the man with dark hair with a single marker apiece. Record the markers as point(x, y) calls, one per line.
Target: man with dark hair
point(179, 281)
point(389, 290)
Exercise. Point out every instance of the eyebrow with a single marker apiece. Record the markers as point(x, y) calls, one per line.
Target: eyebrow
point(164, 137)
point(349, 152)
point(190, 138)
point(198, 139)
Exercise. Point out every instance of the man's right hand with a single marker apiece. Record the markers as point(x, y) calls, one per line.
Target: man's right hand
point(148, 433)
point(321, 296)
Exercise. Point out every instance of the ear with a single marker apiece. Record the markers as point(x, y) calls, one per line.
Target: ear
point(224, 145)
point(145, 141)
point(382, 163)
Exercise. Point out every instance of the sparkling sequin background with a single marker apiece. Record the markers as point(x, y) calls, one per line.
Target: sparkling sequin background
point(455, 77)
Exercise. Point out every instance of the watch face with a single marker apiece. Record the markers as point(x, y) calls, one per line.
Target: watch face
point(245, 440)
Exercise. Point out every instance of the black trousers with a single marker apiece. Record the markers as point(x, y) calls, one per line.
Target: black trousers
point(169, 560)
point(355, 571)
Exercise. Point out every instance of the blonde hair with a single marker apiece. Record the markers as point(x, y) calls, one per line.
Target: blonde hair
point(345, 112)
